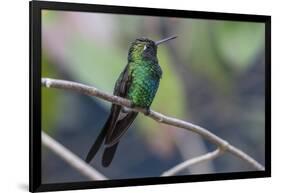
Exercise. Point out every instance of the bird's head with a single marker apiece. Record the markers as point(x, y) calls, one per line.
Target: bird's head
point(144, 48)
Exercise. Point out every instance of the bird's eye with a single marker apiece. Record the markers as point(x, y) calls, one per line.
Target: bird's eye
point(144, 48)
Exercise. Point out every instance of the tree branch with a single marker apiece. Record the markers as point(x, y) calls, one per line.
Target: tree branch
point(193, 161)
point(91, 91)
point(71, 158)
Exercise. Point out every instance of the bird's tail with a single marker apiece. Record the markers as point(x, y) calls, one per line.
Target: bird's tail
point(95, 147)
point(107, 128)
point(112, 140)
point(108, 154)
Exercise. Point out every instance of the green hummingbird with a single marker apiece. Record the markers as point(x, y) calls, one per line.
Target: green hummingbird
point(139, 83)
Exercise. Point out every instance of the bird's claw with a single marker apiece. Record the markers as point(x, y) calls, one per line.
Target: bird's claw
point(132, 105)
point(147, 112)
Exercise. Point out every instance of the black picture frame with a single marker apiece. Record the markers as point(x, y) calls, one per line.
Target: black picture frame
point(35, 165)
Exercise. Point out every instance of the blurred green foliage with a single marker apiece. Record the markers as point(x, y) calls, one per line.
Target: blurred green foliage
point(239, 42)
point(96, 64)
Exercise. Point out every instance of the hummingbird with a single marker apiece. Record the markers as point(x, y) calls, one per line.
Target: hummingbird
point(138, 82)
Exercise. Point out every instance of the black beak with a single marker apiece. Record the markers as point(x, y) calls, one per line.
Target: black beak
point(165, 40)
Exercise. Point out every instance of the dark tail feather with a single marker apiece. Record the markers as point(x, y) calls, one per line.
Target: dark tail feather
point(95, 147)
point(108, 126)
point(113, 139)
point(109, 154)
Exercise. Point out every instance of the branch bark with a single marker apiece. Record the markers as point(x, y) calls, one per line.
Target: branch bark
point(71, 158)
point(193, 161)
point(222, 144)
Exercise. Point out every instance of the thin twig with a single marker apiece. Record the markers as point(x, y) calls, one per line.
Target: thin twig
point(71, 158)
point(91, 91)
point(182, 166)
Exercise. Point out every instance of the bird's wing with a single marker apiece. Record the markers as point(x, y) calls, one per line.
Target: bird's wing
point(119, 90)
point(121, 127)
point(124, 119)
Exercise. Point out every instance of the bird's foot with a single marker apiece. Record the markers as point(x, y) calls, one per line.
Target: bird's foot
point(147, 111)
point(132, 105)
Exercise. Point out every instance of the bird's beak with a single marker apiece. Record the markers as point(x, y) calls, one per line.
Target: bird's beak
point(165, 40)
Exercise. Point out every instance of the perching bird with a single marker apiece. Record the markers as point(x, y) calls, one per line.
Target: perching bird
point(138, 82)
